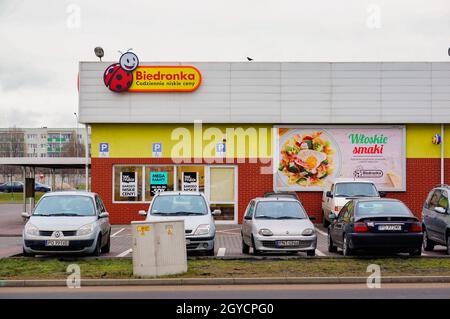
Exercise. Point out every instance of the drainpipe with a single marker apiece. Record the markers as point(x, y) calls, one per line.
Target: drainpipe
point(442, 154)
point(86, 151)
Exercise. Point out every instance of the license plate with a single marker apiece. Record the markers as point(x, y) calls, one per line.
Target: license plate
point(287, 243)
point(60, 243)
point(390, 227)
point(188, 241)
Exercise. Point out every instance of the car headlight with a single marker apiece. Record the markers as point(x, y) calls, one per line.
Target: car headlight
point(202, 229)
point(85, 230)
point(308, 232)
point(32, 230)
point(265, 232)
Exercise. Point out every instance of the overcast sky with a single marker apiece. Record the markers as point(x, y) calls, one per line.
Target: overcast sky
point(42, 41)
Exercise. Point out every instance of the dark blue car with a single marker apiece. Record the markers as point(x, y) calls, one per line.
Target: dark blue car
point(385, 225)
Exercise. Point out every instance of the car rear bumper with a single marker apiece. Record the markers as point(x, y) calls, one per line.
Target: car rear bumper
point(75, 247)
point(269, 243)
point(386, 241)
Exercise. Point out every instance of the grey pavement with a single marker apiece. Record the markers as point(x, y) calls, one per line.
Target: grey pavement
point(308, 291)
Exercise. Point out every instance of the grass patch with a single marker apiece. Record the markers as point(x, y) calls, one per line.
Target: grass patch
point(16, 198)
point(55, 268)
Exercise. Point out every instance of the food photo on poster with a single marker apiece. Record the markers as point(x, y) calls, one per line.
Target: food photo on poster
point(308, 157)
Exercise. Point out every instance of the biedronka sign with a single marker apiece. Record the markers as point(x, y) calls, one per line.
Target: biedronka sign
point(128, 76)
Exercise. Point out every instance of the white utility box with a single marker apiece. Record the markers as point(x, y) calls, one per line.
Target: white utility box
point(159, 248)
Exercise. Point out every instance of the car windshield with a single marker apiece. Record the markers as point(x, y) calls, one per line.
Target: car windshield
point(280, 210)
point(179, 205)
point(355, 190)
point(382, 208)
point(65, 205)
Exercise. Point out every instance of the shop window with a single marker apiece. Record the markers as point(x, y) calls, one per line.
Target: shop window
point(158, 178)
point(222, 191)
point(127, 183)
point(191, 178)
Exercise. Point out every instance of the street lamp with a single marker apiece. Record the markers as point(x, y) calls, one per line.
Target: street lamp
point(76, 137)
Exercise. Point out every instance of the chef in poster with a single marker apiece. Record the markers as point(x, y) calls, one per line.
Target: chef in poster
point(128, 184)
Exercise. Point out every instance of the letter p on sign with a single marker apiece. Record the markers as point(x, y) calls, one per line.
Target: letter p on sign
point(104, 150)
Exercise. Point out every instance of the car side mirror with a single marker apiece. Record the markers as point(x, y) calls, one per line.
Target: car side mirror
point(142, 213)
point(216, 212)
point(329, 194)
point(312, 217)
point(25, 215)
point(248, 217)
point(103, 215)
point(382, 194)
point(440, 210)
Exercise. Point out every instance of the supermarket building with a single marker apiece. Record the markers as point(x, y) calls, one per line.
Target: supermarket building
point(235, 130)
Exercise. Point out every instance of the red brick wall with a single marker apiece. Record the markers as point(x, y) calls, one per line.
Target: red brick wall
point(422, 175)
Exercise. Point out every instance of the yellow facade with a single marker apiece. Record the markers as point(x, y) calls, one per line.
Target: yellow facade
point(242, 141)
point(182, 140)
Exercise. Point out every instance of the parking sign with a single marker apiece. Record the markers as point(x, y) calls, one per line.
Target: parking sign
point(104, 150)
point(220, 149)
point(157, 149)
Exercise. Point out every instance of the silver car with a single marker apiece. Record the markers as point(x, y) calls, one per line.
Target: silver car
point(67, 222)
point(277, 224)
point(193, 208)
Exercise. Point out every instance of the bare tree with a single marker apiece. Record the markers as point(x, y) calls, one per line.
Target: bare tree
point(73, 148)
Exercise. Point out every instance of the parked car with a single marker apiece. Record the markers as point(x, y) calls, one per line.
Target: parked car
point(17, 187)
point(67, 222)
point(292, 195)
point(375, 224)
point(194, 209)
point(277, 224)
point(339, 192)
point(436, 219)
point(11, 187)
point(39, 187)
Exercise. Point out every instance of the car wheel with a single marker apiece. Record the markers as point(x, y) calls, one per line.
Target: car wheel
point(416, 252)
point(25, 254)
point(245, 247)
point(448, 245)
point(427, 244)
point(98, 247)
point(331, 247)
point(325, 222)
point(255, 251)
point(107, 248)
point(311, 253)
point(346, 250)
point(210, 252)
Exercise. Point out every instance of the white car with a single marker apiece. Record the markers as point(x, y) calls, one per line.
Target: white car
point(276, 225)
point(67, 222)
point(194, 209)
point(340, 191)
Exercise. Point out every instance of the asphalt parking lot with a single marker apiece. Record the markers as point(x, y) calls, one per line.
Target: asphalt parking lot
point(228, 239)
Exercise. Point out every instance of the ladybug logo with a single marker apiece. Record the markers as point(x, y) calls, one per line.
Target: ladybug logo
point(118, 76)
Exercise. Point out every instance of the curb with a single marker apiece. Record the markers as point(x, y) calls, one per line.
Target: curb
point(225, 281)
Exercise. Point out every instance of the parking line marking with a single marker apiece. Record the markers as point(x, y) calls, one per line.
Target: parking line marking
point(321, 232)
point(117, 232)
point(221, 252)
point(126, 252)
point(319, 253)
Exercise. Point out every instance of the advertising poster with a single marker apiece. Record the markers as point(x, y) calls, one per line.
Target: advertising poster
point(307, 157)
point(158, 182)
point(128, 184)
point(190, 182)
